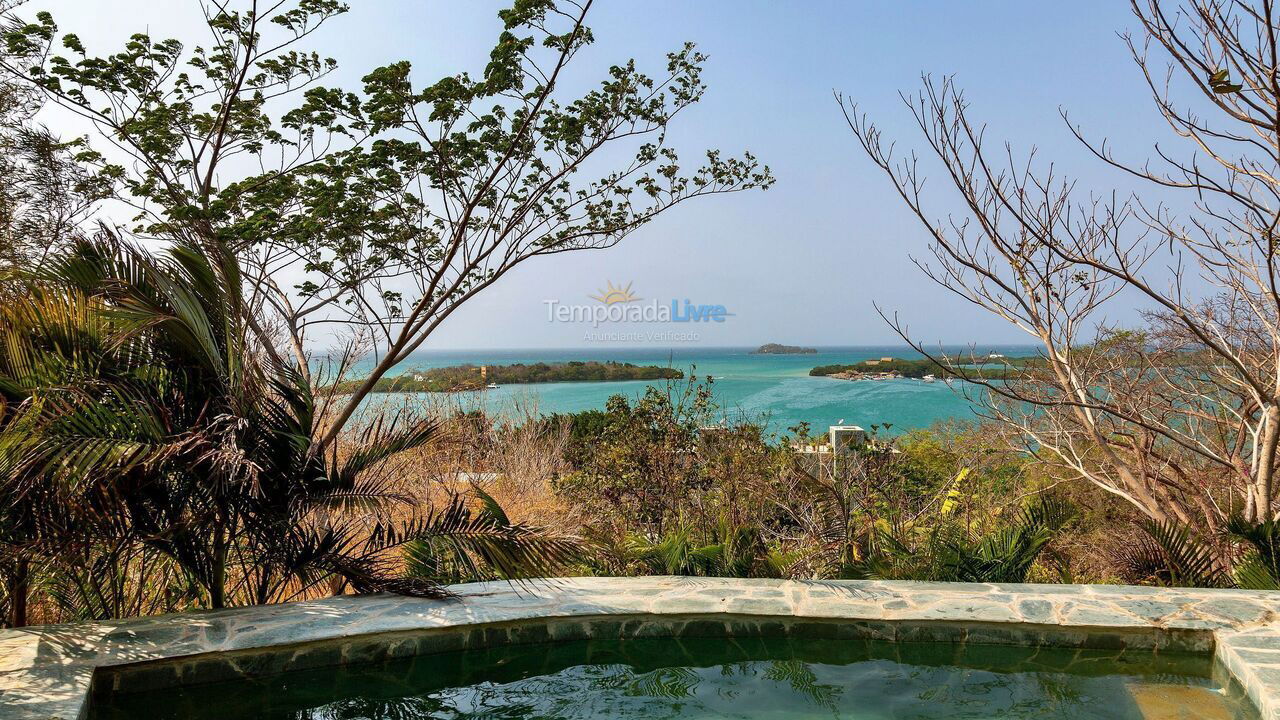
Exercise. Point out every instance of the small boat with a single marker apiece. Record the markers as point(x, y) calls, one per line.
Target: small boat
point(491, 386)
point(928, 378)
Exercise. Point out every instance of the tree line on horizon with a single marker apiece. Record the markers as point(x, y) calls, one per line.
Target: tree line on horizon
point(475, 377)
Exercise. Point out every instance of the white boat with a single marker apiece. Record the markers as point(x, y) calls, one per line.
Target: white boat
point(928, 378)
point(491, 386)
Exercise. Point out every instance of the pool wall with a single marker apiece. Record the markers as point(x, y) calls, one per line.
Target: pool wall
point(51, 672)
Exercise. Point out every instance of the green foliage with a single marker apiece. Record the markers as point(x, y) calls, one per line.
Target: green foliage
point(732, 551)
point(181, 115)
point(145, 401)
point(146, 411)
point(1173, 555)
point(643, 462)
point(1252, 573)
point(1176, 556)
point(103, 581)
point(945, 551)
point(665, 492)
point(586, 428)
point(1259, 568)
point(44, 194)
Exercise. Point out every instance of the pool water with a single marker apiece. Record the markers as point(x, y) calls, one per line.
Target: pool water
point(697, 678)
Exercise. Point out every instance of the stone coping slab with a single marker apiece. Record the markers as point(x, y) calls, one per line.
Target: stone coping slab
point(47, 672)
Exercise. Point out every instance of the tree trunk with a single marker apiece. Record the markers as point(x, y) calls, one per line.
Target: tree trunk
point(19, 589)
point(218, 581)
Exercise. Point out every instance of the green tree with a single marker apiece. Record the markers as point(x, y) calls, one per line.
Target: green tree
point(45, 193)
point(397, 203)
point(642, 466)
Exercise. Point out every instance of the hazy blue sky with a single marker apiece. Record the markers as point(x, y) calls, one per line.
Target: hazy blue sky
point(802, 262)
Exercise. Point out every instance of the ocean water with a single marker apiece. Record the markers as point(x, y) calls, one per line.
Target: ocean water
point(774, 389)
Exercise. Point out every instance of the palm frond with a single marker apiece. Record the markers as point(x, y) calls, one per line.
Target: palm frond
point(1259, 569)
point(1254, 573)
point(1171, 554)
point(478, 545)
point(489, 506)
point(382, 440)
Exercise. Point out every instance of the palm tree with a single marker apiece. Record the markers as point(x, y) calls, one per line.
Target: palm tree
point(43, 335)
point(1174, 555)
point(1259, 567)
point(140, 406)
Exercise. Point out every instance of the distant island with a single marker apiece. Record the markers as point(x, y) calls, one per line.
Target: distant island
point(889, 367)
point(470, 377)
point(776, 349)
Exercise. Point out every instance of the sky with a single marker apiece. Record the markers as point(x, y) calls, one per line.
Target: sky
point(804, 262)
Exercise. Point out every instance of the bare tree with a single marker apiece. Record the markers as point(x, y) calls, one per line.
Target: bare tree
point(1181, 418)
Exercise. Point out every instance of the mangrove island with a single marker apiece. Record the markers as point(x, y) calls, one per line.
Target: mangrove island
point(475, 377)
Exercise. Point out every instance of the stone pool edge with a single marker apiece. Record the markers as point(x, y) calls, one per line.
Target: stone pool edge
point(46, 673)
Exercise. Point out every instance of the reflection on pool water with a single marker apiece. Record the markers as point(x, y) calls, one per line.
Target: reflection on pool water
point(695, 678)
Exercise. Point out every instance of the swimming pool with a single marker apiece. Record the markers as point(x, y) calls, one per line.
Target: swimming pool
point(1160, 651)
point(686, 678)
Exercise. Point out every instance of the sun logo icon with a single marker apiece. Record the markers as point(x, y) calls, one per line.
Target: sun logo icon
point(615, 294)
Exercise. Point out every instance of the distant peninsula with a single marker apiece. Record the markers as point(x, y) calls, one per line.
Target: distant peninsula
point(776, 349)
point(886, 368)
point(472, 377)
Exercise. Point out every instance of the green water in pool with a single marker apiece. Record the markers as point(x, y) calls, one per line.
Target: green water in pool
point(697, 678)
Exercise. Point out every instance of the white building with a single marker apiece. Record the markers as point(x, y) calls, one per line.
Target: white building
point(845, 437)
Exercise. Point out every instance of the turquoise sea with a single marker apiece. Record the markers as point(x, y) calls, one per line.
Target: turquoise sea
point(775, 389)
